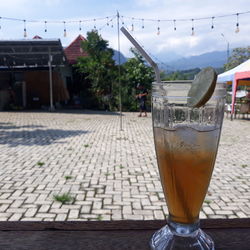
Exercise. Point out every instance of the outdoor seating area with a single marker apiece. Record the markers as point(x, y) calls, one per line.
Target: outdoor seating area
point(124, 125)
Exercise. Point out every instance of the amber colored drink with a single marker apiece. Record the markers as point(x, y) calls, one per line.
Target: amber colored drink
point(186, 159)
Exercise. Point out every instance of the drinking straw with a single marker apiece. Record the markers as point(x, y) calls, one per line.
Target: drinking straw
point(143, 53)
point(158, 80)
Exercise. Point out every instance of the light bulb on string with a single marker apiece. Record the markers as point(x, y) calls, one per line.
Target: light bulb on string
point(212, 25)
point(45, 26)
point(64, 30)
point(94, 24)
point(174, 25)
point(107, 21)
point(192, 33)
point(158, 28)
point(122, 20)
point(142, 25)
point(112, 25)
point(24, 28)
point(132, 25)
point(237, 30)
point(80, 25)
point(0, 22)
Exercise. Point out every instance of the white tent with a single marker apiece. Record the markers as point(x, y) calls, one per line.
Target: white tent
point(239, 75)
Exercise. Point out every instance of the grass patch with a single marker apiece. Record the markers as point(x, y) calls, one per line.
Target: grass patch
point(207, 201)
point(63, 198)
point(121, 167)
point(68, 177)
point(121, 138)
point(244, 165)
point(107, 174)
point(40, 163)
point(86, 145)
point(99, 217)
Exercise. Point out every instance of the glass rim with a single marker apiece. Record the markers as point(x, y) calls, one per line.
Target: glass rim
point(159, 89)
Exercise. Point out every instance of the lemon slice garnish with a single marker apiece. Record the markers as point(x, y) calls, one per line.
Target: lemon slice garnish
point(202, 87)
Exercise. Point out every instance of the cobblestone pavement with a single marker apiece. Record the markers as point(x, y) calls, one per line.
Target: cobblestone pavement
point(110, 174)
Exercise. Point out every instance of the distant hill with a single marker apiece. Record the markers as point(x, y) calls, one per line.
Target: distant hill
point(123, 59)
point(214, 59)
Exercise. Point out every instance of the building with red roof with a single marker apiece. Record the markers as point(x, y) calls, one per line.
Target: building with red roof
point(74, 50)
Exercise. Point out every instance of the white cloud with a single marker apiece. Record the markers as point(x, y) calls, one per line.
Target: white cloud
point(147, 3)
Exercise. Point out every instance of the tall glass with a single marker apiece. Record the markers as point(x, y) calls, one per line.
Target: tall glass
point(186, 142)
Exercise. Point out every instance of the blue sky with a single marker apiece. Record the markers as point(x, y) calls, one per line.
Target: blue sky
point(163, 46)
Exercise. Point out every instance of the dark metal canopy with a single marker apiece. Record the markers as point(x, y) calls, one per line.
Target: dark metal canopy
point(31, 53)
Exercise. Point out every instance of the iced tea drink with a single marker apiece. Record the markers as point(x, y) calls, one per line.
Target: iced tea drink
point(186, 158)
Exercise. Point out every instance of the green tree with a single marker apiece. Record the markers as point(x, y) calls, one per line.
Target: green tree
point(99, 68)
point(239, 55)
point(134, 72)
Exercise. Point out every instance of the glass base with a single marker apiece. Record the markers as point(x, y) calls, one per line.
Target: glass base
point(181, 236)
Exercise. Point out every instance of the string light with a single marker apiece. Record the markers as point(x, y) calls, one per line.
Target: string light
point(24, 28)
point(142, 25)
point(192, 33)
point(212, 25)
point(64, 29)
point(174, 25)
point(158, 28)
point(108, 21)
point(237, 30)
point(45, 26)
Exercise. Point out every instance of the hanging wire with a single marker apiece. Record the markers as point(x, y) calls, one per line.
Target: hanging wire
point(45, 26)
point(64, 29)
point(139, 19)
point(174, 24)
point(186, 19)
point(192, 33)
point(237, 30)
point(106, 24)
point(24, 29)
point(142, 23)
point(112, 25)
point(212, 20)
point(158, 28)
point(94, 24)
point(80, 25)
point(107, 21)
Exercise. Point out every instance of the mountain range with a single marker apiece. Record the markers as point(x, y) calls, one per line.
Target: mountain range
point(174, 62)
point(214, 59)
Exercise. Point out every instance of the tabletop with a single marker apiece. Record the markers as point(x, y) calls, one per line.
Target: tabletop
point(226, 233)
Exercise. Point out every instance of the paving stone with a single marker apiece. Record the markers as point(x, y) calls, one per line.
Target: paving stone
point(61, 217)
point(73, 214)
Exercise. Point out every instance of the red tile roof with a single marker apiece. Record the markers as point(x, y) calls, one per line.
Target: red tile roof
point(74, 50)
point(37, 37)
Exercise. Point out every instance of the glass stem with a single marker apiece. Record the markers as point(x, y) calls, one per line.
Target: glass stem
point(184, 230)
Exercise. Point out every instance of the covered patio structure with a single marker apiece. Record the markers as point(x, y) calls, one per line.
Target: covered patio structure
point(238, 76)
point(31, 72)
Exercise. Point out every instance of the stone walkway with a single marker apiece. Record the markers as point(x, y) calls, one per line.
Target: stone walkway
point(108, 173)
